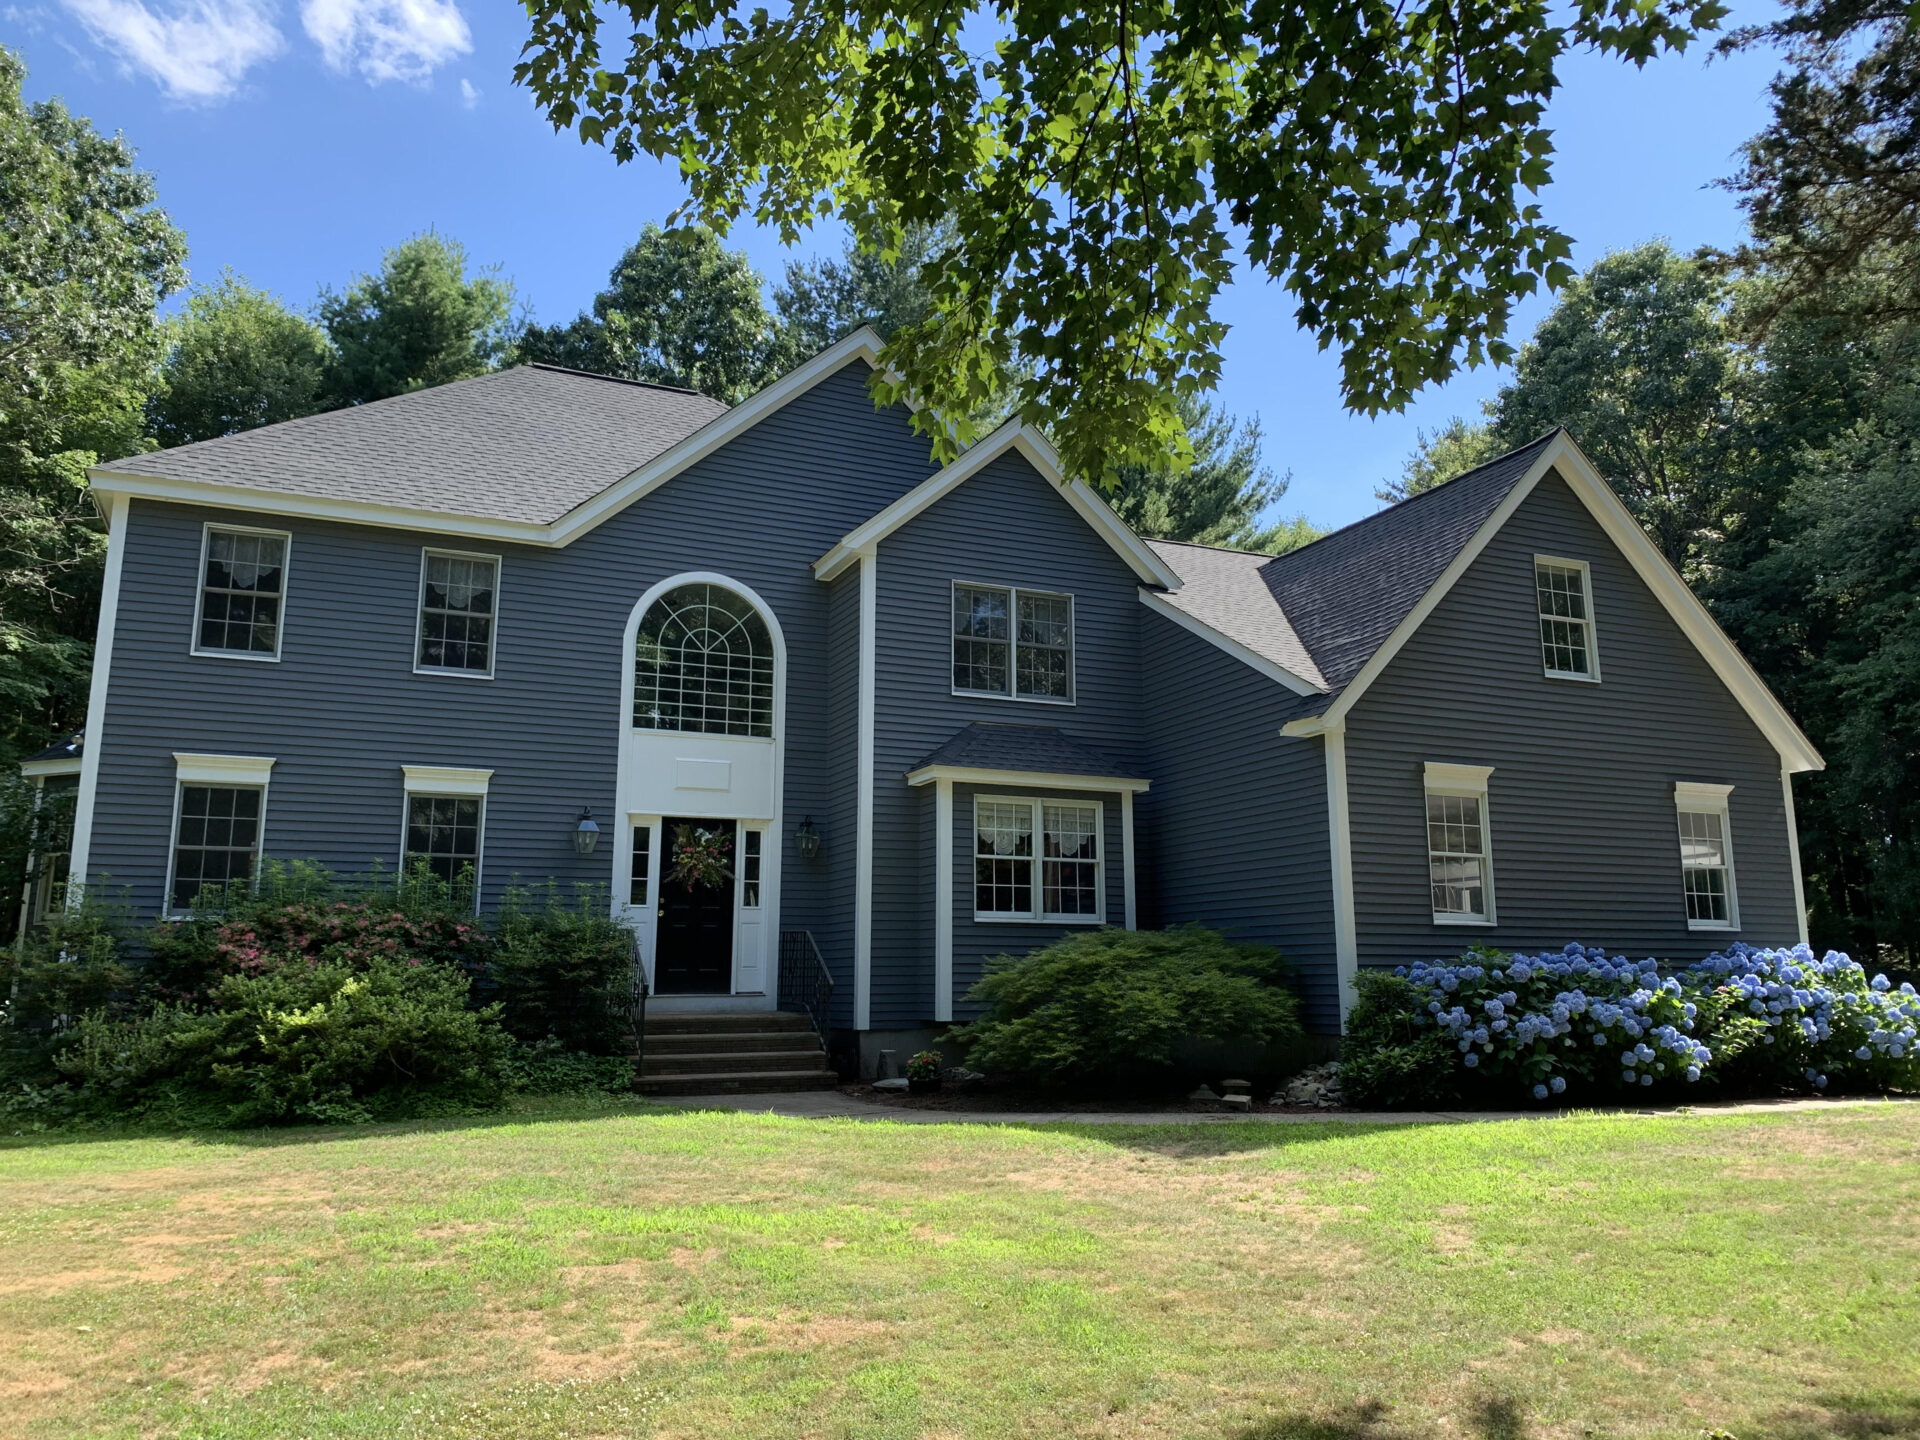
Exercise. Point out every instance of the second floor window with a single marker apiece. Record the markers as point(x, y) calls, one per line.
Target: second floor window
point(703, 662)
point(242, 585)
point(1567, 649)
point(1012, 643)
point(456, 613)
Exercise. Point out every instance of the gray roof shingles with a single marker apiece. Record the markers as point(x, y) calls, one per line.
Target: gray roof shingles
point(1034, 749)
point(1322, 611)
point(527, 444)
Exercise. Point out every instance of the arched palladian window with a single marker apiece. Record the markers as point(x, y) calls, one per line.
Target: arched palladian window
point(703, 662)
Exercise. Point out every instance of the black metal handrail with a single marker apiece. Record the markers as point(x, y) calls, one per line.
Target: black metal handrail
point(805, 982)
point(637, 1013)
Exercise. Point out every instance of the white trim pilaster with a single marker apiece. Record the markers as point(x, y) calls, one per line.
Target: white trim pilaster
point(1346, 948)
point(1793, 851)
point(82, 854)
point(943, 901)
point(863, 838)
point(1126, 855)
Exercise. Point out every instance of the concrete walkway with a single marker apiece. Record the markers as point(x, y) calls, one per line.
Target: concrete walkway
point(832, 1105)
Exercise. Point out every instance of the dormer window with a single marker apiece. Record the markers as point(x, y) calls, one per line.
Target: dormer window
point(1567, 648)
point(1012, 643)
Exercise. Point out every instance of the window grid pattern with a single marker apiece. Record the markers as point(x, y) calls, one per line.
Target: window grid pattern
point(241, 591)
point(642, 860)
point(1566, 626)
point(443, 832)
point(703, 664)
point(1003, 858)
point(1456, 856)
point(456, 613)
point(1070, 860)
point(218, 841)
point(980, 639)
point(750, 841)
point(1012, 643)
point(1703, 867)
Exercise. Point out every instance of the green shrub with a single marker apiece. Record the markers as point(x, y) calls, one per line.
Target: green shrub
point(325, 1042)
point(1389, 1059)
point(74, 964)
point(563, 971)
point(549, 1068)
point(1133, 1009)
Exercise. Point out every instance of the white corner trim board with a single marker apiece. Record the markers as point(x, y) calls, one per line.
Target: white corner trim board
point(1793, 852)
point(1299, 684)
point(863, 793)
point(192, 769)
point(444, 780)
point(82, 852)
point(943, 902)
point(1031, 444)
point(1126, 856)
point(1346, 942)
point(863, 344)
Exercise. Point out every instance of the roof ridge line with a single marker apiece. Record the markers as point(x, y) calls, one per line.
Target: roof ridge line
point(613, 379)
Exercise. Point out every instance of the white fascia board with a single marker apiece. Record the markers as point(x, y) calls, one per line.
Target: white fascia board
point(1039, 453)
point(1644, 556)
point(1274, 671)
point(1043, 780)
point(863, 344)
point(31, 768)
point(444, 780)
point(193, 769)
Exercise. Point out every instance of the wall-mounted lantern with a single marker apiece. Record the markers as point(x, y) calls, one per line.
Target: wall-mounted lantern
point(586, 834)
point(806, 840)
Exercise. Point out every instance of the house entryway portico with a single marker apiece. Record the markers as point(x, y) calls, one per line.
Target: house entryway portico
point(702, 735)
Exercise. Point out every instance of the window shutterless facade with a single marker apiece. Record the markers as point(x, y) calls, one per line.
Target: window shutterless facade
point(1459, 844)
point(703, 663)
point(444, 824)
point(1012, 643)
point(243, 592)
point(1568, 646)
point(219, 819)
point(1038, 860)
point(459, 603)
point(1706, 856)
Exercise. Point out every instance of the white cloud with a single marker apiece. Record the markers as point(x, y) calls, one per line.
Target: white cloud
point(469, 96)
point(387, 39)
point(198, 51)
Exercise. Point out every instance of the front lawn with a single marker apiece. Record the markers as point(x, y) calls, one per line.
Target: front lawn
point(624, 1272)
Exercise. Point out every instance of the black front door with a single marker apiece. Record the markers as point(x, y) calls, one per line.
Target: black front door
point(693, 946)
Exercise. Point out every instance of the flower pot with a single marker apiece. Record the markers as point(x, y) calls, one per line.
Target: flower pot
point(923, 1087)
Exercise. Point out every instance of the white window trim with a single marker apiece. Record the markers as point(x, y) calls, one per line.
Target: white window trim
point(1038, 915)
point(1693, 798)
point(1465, 780)
point(1592, 621)
point(447, 780)
point(1012, 692)
point(236, 771)
point(427, 552)
point(200, 594)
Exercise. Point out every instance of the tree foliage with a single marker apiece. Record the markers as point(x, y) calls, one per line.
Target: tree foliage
point(422, 320)
point(821, 301)
point(679, 309)
point(1219, 498)
point(237, 359)
point(1093, 166)
point(1455, 448)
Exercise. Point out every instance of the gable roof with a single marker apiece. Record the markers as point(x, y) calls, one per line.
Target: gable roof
point(523, 445)
point(1352, 599)
point(1038, 452)
point(535, 454)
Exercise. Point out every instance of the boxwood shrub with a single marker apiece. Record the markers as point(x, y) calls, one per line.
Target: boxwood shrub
point(1581, 1025)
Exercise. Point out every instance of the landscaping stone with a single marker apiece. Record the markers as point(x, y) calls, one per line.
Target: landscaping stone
point(1318, 1087)
point(894, 1082)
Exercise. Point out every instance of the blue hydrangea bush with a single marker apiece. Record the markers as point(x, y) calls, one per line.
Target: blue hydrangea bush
point(1582, 1025)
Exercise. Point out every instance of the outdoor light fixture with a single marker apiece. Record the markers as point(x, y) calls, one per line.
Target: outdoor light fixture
point(806, 840)
point(586, 834)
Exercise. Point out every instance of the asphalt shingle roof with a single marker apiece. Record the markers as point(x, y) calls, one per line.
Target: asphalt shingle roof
point(526, 444)
point(1035, 749)
point(69, 749)
point(1322, 611)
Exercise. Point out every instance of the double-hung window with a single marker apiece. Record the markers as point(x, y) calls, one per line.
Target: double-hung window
point(1564, 590)
point(445, 828)
point(1013, 643)
point(220, 809)
point(1706, 856)
point(1038, 860)
point(1459, 844)
point(243, 583)
point(458, 595)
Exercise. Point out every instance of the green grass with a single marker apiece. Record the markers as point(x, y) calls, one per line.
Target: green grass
point(607, 1270)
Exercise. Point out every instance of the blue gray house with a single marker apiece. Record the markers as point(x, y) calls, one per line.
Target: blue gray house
point(930, 714)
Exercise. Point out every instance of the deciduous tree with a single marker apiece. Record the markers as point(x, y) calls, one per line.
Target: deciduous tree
point(237, 359)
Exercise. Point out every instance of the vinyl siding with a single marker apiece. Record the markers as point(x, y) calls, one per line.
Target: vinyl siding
point(1233, 834)
point(1005, 526)
point(1581, 796)
point(343, 709)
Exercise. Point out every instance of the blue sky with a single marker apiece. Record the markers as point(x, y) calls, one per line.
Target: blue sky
point(295, 139)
